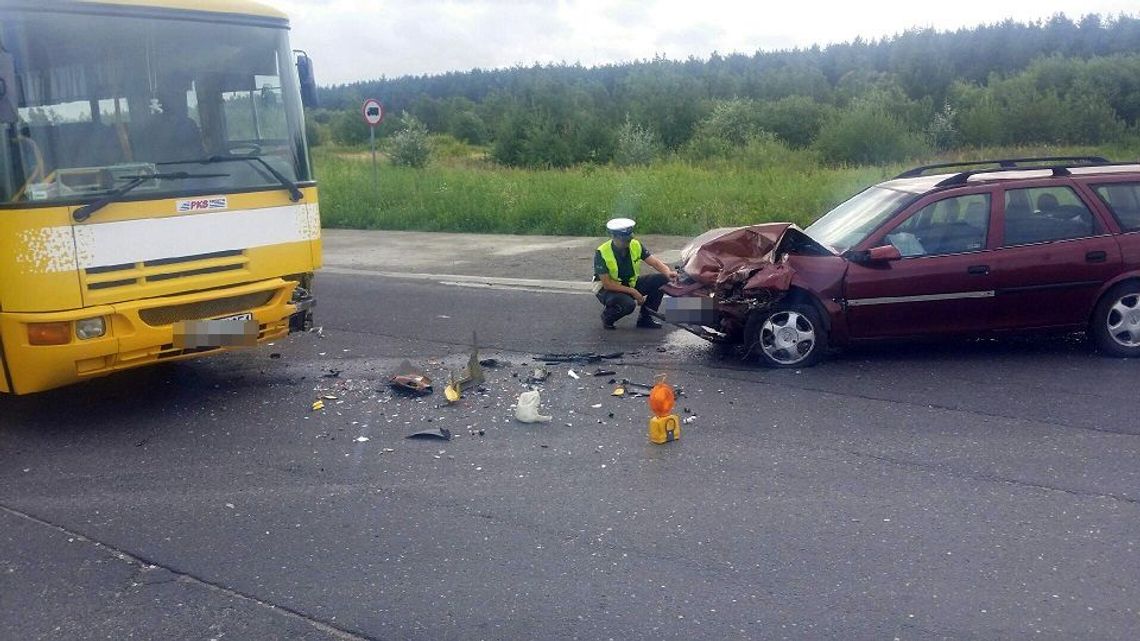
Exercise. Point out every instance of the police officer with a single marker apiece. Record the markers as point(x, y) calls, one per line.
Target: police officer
point(617, 272)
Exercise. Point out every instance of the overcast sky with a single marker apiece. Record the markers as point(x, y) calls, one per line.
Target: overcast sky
point(366, 39)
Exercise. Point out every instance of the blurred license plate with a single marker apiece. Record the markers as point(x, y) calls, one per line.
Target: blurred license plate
point(696, 310)
point(233, 331)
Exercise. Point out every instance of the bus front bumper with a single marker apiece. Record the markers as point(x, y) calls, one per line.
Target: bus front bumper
point(139, 333)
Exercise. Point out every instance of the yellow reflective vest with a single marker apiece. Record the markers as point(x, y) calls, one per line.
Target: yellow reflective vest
point(607, 251)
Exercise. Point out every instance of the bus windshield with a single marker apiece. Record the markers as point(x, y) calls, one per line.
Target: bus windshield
point(104, 100)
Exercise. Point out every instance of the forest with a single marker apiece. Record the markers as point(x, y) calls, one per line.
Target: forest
point(1053, 82)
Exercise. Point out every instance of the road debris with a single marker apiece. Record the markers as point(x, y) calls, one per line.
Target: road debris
point(331, 373)
point(362, 439)
point(490, 362)
point(451, 392)
point(470, 376)
point(526, 411)
point(619, 391)
point(579, 357)
point(440, 434)
point(410, 379)
point(318, 405)
point(539, 375)
point(641, 389)
point(604, 372)
point(596, 405)
point(574, 375)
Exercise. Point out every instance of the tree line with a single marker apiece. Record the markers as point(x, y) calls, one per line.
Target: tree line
point(1055, 81)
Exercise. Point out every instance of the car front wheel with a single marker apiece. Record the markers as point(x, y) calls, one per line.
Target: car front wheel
point(789, 335)
point(1116, 321)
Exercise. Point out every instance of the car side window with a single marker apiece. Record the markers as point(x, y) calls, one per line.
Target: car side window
point(1123, 199)
point(1042, 214)
point(949, 226)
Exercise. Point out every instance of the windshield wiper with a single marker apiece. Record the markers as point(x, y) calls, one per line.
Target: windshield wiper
point(84, 212)
point(294, 192)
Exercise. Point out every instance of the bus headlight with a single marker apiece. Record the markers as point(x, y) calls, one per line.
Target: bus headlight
point(89, 328)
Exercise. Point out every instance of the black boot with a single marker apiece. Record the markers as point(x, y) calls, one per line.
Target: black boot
point(647, 322)
point(607, 322)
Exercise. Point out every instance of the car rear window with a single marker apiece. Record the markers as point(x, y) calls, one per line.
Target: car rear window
point(1042, 214)
point(1123, 199)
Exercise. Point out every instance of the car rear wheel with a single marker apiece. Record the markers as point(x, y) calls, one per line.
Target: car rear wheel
point(789, 335)
point(1116, 321)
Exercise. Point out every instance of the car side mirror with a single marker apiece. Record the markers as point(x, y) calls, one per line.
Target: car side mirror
point(883, 254)
point(875, 255)
point(8, 112)
point(307, 79)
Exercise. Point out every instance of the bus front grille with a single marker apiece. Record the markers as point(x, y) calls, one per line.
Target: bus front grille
point(170, 314)
point(163, 271)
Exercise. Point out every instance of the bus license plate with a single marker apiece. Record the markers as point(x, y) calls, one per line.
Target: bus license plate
point(239, 330)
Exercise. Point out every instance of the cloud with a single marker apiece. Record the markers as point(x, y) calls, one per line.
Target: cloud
point(366, 39)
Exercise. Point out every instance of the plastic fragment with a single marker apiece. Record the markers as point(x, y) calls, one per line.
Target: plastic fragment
point(619, 391)
point(573, 375)
point(442, 434)
point(409, 379)
point(361, 439)
point(318, 405)
point(526, 411)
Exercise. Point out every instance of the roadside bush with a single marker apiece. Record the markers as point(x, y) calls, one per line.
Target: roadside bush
point(794, 119)
point(636, 145)
point(867, 134)
point(469, 127)
point(410, 147)
point(313, 133)
point(942, 133)
point(704, 147)
point(348, 128)
point(766, 151)
point(734, 121)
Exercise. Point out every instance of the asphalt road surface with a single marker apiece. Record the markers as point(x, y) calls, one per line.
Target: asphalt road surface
point(970, 490)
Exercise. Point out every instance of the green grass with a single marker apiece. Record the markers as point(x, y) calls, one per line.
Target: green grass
point(462, 193)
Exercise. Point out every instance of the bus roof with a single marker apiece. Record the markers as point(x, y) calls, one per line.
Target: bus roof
point(237, 7)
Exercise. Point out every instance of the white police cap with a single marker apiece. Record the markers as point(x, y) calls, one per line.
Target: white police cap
point(621, 225)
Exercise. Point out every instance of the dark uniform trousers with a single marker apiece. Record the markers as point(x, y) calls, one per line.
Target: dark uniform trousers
point(619, 305)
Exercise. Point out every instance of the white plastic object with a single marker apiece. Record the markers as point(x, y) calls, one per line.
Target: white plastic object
point(527, 409)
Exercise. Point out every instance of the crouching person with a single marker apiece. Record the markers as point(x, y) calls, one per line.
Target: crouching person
point(617, 272)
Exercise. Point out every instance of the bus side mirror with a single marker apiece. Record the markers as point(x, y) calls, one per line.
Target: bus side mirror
point(308, 81)
point(8, 111)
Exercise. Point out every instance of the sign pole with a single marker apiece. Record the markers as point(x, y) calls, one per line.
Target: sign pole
point(373, 113)
point(375, 170)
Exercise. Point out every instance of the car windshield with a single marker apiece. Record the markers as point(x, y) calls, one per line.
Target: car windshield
point(852, 221)
point(104, 100)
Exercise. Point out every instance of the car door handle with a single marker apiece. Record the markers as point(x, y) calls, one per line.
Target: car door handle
point(980, 270)
point(1096, 257)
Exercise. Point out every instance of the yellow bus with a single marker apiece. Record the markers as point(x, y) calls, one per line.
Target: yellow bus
point(156, 197)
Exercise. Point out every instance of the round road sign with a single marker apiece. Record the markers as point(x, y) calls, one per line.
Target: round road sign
point(372, 111)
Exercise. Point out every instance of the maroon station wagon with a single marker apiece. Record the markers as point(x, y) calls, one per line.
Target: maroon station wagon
point(996, 246)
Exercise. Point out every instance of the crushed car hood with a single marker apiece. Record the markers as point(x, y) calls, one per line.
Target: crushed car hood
point(743, 258)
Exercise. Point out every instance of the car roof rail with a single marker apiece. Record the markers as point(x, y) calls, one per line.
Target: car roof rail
point(961, 178)
point(1009, 163)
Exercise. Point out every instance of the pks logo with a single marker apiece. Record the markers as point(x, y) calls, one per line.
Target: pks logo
point(203, 204)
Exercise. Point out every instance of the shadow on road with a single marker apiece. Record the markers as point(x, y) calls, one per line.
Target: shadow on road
point(131, 399)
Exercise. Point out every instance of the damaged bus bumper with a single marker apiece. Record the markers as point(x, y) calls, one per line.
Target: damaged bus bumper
point(44, 351)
